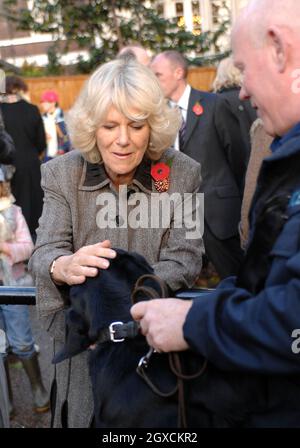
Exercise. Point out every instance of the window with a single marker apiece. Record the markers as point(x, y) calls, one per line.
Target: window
point(197, 19)
point(196, 8)
point(180, 14)
point(160, 9)
point(179, 9)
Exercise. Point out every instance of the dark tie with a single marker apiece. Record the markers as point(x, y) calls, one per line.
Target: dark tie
point(182, 132)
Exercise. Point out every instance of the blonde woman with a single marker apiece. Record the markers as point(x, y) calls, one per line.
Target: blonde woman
point(122, 129)
point(227, 83)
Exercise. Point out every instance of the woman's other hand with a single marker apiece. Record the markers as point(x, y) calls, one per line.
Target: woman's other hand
point(74, 269)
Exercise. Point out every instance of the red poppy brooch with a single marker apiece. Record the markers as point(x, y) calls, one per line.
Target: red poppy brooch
point(161, 175)
point(197, 108)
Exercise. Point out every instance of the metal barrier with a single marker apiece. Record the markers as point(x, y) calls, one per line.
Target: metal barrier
point(193, 293)
point(17, 295)
point(25, 295)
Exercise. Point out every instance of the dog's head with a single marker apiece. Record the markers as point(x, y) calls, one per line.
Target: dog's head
point(101, 300)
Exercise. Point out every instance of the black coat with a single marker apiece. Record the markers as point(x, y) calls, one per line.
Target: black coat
point(213, 139)
point(242, 110)
point(7, 146)
point(25, 125)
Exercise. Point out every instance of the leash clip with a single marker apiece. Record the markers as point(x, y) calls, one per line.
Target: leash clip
point(144, 361)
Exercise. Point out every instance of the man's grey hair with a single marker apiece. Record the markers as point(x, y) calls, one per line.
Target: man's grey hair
point(260, 14)
point(176, 59)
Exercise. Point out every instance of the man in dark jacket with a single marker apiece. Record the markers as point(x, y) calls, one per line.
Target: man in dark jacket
point(210, 134)
point(24, 124)
point(250, 323)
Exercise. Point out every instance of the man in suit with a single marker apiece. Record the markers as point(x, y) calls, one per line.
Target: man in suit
point(210, 135)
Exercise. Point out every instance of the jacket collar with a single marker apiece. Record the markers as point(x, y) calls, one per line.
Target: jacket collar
point(279, 141)
point(285, 146)
point(94, 176)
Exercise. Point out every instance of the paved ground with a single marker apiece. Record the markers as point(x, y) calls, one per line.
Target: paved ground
point(25, 416)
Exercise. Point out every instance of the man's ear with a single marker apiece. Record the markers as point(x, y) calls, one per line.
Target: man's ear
point(179, 73)
point(279, 47)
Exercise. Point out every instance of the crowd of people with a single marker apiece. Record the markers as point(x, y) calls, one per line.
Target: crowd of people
point(138, 133)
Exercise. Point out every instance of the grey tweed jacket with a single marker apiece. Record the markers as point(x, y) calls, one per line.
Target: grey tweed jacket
point(74, 190)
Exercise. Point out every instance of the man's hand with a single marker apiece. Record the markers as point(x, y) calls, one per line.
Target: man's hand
point(162, 322)
point(74, 269)
point(4, 249)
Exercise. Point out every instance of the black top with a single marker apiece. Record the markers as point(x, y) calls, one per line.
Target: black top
point(24, 123)
point(243, 111)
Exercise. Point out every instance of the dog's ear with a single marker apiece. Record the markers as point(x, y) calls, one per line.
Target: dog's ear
point(77, 339)
point(129, 266)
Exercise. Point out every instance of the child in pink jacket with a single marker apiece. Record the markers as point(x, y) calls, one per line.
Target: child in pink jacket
point(15, 248)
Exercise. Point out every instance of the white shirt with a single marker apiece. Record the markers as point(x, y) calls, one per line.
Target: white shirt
point(51, 134)
point(182, 103)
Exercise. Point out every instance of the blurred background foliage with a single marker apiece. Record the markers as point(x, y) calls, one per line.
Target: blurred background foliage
point(103, 27)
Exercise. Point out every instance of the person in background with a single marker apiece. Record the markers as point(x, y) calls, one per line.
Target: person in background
point(58, 141)
point(209, 134)
point(7, 153)
point(7, 146)
point(227, 84)
point(24, 124)
point(15, 248)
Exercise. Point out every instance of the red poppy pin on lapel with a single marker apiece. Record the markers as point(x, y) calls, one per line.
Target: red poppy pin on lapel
point(198, 109)
point(161, 173)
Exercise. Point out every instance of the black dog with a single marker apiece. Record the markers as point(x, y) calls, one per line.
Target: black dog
point(121, 397)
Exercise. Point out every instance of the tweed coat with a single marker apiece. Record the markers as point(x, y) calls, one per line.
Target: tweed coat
point(73, 189)
point(260, 149)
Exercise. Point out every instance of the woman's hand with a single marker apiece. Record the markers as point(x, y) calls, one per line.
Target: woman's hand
point(74, 269)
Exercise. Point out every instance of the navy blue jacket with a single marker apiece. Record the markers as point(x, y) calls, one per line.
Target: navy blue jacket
point(241, 331)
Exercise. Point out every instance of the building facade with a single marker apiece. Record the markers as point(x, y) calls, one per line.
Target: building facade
point(16, 47)
point(19, 47)
point(202, 15)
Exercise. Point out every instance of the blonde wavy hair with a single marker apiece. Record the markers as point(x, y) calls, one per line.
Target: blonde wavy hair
point(128, 86)
point(227, 75)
